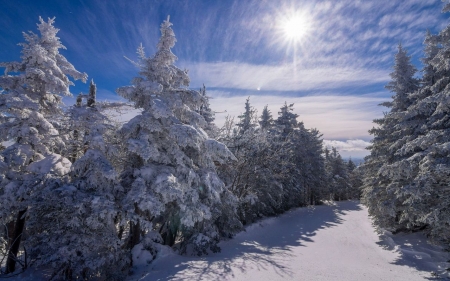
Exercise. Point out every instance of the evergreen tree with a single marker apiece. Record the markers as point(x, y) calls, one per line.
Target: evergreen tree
point(286, 125)
point(82, 118)
point(170, 179)
point(388, 138)
point(266, 120)
point(208, 114)
point(337, 171)
point(351, 165)
point(287, 120)
point(29, 98)
point(246, 119)
point(403, 82)
point(420, 173)
point(356, 179)
point(430, 76)
point(277, 169)
point(160, 68)
point(85, 242)
point(92, 94)
point(205, 109)
point(305, 164)
point(254, 178)
point(311, 163)
point(408, 188)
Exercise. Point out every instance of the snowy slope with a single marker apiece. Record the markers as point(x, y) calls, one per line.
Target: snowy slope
point(321, 243)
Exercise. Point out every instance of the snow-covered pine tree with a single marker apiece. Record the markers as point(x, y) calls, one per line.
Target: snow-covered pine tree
point(429, 75)
point(351, 165)
point(378, 187)
point(170, 178)
point(355, 176)
point(277, 168)
point(32, 90)
point(205, 109)
point(311, 164)
point(421, 172)
point(208, 114)
point(403, 82)
point(252, 178)
point(80, 119)
point(294, 137)
point(92, 96)
point(86, 240)
point(287, 119)
point(246, 119)
point(338, 178)
point(266, 119)
point(303, 160)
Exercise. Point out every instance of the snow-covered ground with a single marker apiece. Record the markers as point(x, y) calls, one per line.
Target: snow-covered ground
point(336, 242)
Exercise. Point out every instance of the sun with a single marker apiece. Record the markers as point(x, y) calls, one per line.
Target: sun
point(295, 27)
point(293, 31)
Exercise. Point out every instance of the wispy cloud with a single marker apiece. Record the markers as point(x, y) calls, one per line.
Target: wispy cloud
point(285, 77)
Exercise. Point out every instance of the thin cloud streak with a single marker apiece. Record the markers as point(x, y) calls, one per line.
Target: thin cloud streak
point(284, 77)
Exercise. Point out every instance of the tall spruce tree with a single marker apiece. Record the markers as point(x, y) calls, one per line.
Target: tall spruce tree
point(289, 133)
point(32, 90)
point(431, 49)
point(379, 187)
point(170, 178)
point(246, 119)
point(92, 94)
point(252, 178)
point(208, 114)
point(266, 119)
point(205, 109)
point(421, 170)
point(86, 241)
point(311, 165)
point(403, 82)
point(80, 119)
point(287, 119)
point(338, 176)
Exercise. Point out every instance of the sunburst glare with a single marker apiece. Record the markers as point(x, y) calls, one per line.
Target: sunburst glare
point(295, 27)
point(293, 32)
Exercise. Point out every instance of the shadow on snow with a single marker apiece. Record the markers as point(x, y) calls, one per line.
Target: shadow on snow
point(263, 245)
point(415, 251)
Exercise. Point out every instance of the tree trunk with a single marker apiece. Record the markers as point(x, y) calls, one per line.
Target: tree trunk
point(73, 157)
point(134, 237)
point(170, 238)
point(9, 233)
point(169, 233)
point(17, 237)
point(120, 234)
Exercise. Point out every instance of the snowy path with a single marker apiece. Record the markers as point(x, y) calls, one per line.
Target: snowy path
point(321, 243)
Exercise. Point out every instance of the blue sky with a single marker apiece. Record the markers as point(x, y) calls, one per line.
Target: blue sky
point(335, 73)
